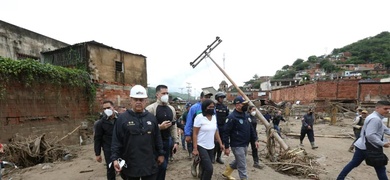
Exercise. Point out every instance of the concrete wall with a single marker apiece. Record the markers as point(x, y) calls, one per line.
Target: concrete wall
point(40, 109)
point(19, 43)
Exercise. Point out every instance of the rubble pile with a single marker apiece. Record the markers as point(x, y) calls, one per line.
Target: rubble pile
point(297, 162)
point(26, 152)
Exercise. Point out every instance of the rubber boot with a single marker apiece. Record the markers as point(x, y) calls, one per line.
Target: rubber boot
point(194, 166)
point(313, 146)
point(228, 172)
point(200, 172)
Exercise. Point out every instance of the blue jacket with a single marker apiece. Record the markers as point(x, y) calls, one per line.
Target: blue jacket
point(238, 130)
point(194, 110)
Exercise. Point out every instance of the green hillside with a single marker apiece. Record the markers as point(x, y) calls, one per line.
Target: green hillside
point(369, 50)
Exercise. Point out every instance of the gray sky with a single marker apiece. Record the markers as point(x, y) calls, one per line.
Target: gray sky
point(258, 37)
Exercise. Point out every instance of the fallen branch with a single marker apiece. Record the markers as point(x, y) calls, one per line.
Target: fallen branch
point(85, 171)
point(319, 135)
point(292, 164)
point(68, 134)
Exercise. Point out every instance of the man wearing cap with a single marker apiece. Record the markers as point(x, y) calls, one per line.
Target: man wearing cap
point(238, 133)
point(166, 118)
point(372, 134)
point(357, 127)
point(194, 110)
point(137, 140)
point(221, 112)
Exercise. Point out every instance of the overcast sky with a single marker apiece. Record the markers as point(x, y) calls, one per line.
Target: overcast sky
point(258, 37)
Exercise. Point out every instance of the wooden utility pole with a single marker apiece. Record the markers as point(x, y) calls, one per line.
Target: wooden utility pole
point(205, 54)
point(333, 117)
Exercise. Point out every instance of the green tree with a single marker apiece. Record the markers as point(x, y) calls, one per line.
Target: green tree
point(284, 74)
point(302, 66)
point(312, 59)
point(286, 67)
point(297, 62)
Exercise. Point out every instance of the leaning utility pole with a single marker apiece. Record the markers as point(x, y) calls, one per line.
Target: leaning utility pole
point(206, 53)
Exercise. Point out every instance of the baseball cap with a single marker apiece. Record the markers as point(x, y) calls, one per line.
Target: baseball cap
point(239, 100)
point(205, 92)
point(384, 103)
point(188, 105)
point(365, 111)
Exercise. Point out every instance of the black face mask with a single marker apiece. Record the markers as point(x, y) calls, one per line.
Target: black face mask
point(244, 108)
point(210, 111)
point(310, 113)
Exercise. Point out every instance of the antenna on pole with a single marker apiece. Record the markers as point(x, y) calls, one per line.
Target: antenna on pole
point(188, 90)
point(205, 53)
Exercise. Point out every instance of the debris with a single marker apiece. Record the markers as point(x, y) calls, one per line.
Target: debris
point(85, 171)
point(319, 135)
point(28, 152)
point(297, 162)
point(69, 134)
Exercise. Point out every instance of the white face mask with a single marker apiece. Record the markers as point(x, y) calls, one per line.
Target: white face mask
point(108, 112)
point(164, 98)
point(253, 113)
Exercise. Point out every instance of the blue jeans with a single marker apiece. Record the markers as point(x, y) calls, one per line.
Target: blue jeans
point(357, 159)
point(276, 127)
point(183, 141)
point(162, 169)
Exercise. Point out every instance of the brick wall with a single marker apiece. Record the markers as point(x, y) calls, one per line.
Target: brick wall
point(118, 94)
point(321, 90)
point(40, 109)
point(372, 92)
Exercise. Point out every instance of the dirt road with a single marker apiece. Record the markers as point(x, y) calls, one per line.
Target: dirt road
point(332, 155)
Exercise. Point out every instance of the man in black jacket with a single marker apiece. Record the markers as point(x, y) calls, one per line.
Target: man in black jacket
point(136, 140)
point(222, 112)
point(103, 136)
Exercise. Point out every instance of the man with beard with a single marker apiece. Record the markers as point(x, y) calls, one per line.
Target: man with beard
point(166, 118)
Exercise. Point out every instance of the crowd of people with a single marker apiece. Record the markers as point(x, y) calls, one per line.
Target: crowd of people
point(138, 142)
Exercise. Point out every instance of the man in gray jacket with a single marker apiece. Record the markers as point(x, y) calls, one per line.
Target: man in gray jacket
point(372, 131)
